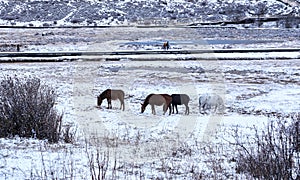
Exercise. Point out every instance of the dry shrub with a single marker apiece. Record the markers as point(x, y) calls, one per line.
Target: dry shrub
point(272, 153)
point(27, 109)
point(69, 136)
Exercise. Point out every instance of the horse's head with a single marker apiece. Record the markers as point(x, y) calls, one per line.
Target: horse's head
point(99, 101)
point(143, 107)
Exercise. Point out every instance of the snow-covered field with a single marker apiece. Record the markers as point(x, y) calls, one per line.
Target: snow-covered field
point(133, 38)
point(128, 144)
point(144, 145)
point(256, 87)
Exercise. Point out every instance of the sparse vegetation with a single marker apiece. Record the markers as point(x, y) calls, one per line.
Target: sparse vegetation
point(272, 153)
point(27, 109)
point(193, 160)
point(69, 135)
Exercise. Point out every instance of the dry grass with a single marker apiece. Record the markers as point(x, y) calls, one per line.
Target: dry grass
point(271, 153)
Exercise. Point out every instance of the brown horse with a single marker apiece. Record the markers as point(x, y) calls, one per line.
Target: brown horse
point(110, 94)
point(158, 100)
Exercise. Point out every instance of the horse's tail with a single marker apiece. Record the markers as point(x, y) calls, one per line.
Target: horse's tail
point(188, 98)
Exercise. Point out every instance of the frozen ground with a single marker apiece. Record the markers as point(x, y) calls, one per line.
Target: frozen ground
point(145, 145)
point(132, 38)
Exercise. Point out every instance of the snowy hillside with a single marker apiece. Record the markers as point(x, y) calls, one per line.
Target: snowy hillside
point(133, 12)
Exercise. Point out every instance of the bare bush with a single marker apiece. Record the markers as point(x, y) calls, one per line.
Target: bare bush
point(272, 153)
point(100, 164)
point(69, 135)
point(27, 109)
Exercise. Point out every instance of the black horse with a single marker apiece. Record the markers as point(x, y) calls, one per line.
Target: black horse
point(180, 99)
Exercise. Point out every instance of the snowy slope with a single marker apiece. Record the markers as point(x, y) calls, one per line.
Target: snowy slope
point(131, 12)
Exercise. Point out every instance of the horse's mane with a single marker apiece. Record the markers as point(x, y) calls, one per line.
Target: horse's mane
point(146, 102)
point(104, 93)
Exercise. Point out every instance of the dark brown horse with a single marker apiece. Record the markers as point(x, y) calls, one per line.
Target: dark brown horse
point(158, 100)
point(111, 94)
point(180, 99)
point(166, 45)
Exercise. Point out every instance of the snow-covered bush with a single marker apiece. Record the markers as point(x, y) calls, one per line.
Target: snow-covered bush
point(273, 153)
point(27, 109)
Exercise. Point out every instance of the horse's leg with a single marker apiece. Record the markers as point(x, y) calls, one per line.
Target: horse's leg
point(108, 103)
point(207, 108)
point(170, 108)
point(164, 109)
point(200, 108)
point(122, 104)
point(176, 109)
point(153, 109)
point(204, 107)
point(173, 108)
point(187, 109)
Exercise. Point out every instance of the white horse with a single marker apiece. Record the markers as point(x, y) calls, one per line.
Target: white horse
point(211, 102)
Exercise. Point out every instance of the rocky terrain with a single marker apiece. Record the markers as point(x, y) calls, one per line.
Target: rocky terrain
point(41, 13)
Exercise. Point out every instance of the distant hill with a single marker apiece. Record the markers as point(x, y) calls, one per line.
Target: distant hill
point(246, 13)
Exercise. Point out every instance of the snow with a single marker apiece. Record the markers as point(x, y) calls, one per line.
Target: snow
point(132, 145)
point(146, 142)
point(28, 158)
